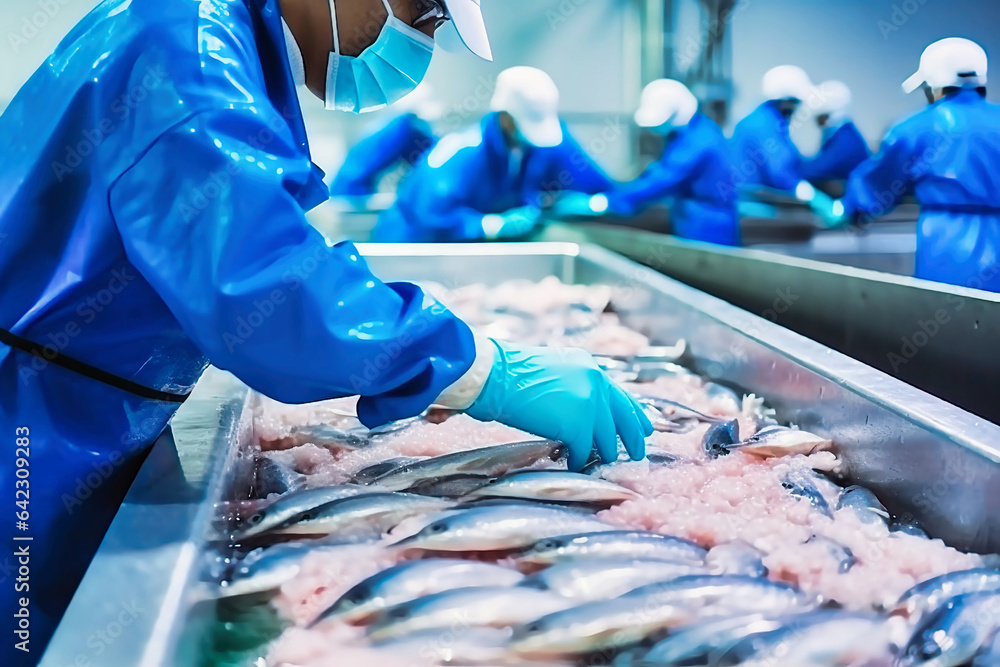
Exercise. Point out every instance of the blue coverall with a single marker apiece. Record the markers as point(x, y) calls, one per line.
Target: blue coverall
point(152, 196)
point(763, 150)
point(948, 155)
point(474, 173)
point(403, 140)
point(843, 149)
point(696, 161)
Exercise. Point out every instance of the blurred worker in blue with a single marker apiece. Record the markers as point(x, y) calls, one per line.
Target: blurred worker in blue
point(152, 195)
point(844, 147)
point(948, 155)
point(397, 144)
point(696, 158)
point(762, 143)
point(491, 181)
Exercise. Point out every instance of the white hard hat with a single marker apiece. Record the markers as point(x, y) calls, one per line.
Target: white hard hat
point(786, 82)
point(834, 97)
point(953, 61)
point(530, 96)
point(467, 17)
point(663, 101)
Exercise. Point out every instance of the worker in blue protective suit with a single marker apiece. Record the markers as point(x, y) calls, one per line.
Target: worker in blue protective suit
point(491, 181)
point(948, 155)
point(399, 143)
point(696, 159)
point(844, 147)
point(152, 202)
point(762, 143)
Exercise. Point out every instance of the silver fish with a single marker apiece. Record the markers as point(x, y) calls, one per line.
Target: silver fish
point(809, 486)
point(719, 437)
point(676, 411)
point(651, 609)
point(484, 461)
point(650, 371)
point(413, 579)
point(360, 517)
point(840, 554)
point(781, 441)
point(292, 504)
point(911, 527)
point(331, 437)
point(554, 485)
point(703, 643)
point(954, 633)
point(456, 486)
point(373, 472)
point(934, 592)
point(601, 579)
point(465, 646)
point(728, 592)
point(863, 504)
point(823, 638)
point(498, 527)
point(613, 544)
point(476, 606)
point(736, 557)
point(270, 477)
point(267, 569)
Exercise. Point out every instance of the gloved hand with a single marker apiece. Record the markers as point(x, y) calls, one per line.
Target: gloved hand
point(563, 395)
point(829, 211)
point(513, 223)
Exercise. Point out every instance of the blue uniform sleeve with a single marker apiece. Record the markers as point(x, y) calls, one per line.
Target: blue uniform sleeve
point(660, 180)
point(876, 185)
point(436, 198)
point(563, 168)
point(839, 156)
point(403, 139)
point(207, 217)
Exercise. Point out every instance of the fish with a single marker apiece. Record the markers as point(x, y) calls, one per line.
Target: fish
point(781, 441)
point(675, 410)
point(612, 544)
point(413, 579)
point(863, 504)
point(650, 371)
point(736, 557)
point(360, 517)
point(912, 527)
point(271, 477)
point(954, 633)
point(806, 484)
point(820, 638)
point(267, 569)
point(732, 592)
point(553, 485)
point(456, 486)
point(484, 461)
point(654, 354)
point(702, 643)
point(290, 505)
point(840, 554)
point(720, 437)
point(932, 593)
point(723, 398)
point(498, 527)
point(465, 646)
point(601, 579)
point(492, 606)
point(331, 437)
point(650, 610)
point(373, 472)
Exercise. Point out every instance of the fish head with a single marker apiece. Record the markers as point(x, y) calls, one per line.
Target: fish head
point(391, 622)
point(355, 605)
point(776, 440)
point(545, 551)
point(540, 637)
point(435, 535)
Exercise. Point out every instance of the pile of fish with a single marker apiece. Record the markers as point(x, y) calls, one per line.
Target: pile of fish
point(441, 540)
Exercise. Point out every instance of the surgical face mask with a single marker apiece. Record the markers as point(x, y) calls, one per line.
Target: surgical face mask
point(384, 72)
point(294, 56)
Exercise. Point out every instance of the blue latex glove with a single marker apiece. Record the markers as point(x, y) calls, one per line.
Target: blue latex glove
point(513, 223)
point(829, 211)
point(563, 395)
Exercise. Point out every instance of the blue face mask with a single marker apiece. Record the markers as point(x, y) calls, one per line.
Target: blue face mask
point(383, 73)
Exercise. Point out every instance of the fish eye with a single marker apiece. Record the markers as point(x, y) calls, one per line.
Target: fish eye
point(398, 612)
point(438, 528)
point(492, 481)
point(256, 518)
point(548, 544)
point(305, 516)
point(533, 627)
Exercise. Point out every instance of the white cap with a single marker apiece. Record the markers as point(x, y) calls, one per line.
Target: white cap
point(666, 101)
point(953, 61)
point(834, 98)
point(786, 82)
point(530, 96)
point(468, 19)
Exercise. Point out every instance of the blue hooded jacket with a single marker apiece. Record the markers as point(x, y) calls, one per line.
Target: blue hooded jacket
point(842, 150)
point(764, 151)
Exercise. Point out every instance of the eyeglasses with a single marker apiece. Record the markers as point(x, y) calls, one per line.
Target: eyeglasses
point(432, 10)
